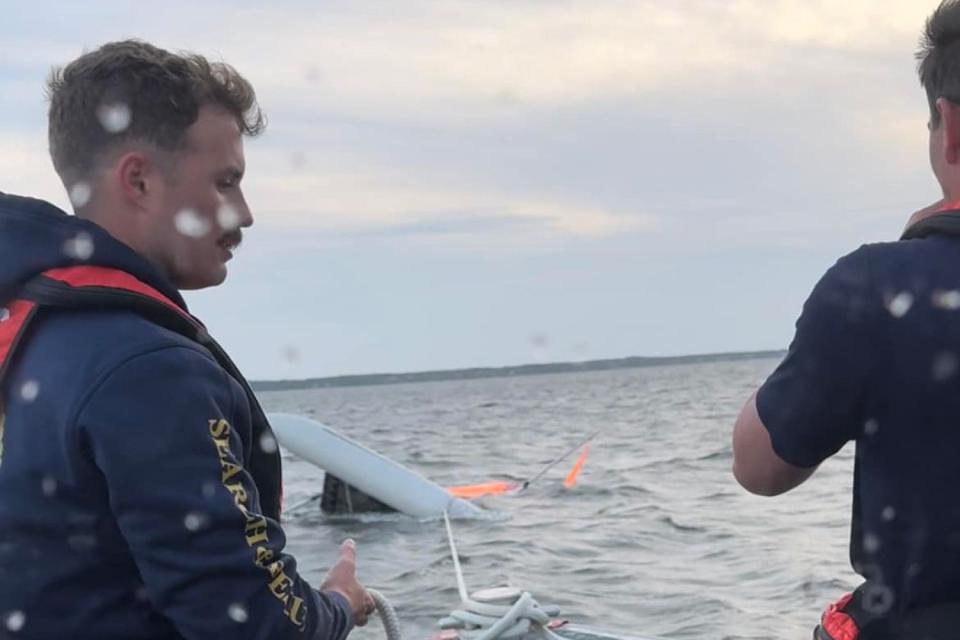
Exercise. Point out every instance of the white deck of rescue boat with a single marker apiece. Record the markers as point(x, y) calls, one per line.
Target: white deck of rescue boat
point(578, 632)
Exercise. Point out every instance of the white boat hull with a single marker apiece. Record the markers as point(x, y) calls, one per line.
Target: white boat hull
point(375, 475)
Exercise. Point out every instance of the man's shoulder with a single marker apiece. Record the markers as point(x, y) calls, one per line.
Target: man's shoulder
point(885, 262)
point(95, 341)
point(916, 252)
point(917, 266)
point(882, 280)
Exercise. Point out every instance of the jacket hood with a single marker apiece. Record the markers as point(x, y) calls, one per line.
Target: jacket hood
point(36, 235)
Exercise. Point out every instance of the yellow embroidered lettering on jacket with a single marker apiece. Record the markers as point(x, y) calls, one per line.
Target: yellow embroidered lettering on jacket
point(239, 494)
point(281, 583)
point(293, 608)
point(223, 447)
point(256, 531)
point(219, 428)
point(228, 470)
point(280, 587)
point(255, 527)
point(264, 556)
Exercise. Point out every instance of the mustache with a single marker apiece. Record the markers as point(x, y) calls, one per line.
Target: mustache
point(232, 239)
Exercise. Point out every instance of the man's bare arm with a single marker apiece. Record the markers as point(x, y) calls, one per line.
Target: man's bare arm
point(756, 466)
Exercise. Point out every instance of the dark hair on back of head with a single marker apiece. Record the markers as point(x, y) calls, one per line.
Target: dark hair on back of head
point(939, 56)
point(150, 94)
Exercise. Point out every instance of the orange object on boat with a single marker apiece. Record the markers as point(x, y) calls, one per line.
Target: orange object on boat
point(484, 489)
point(571, 478)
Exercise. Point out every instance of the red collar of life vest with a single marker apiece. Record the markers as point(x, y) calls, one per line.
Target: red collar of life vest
point(75, 286)
point(104, 287)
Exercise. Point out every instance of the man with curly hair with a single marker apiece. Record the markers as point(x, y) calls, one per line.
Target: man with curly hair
point(140, 487)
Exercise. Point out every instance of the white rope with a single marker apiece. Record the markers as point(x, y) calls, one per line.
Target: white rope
point(388, 616)
point(461, 583)
point(480, 620)
point(494, 614)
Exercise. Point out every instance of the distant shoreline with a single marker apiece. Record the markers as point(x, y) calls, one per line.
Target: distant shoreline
point(633, 362)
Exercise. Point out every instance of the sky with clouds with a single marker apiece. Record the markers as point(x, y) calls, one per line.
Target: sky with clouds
point(459, 183)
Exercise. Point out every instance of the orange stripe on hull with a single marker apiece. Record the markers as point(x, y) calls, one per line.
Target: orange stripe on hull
point(485, 489)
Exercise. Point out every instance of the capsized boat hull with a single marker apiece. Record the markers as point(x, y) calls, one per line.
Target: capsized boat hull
point(375, 475)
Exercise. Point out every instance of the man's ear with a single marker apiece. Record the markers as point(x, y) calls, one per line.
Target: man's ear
point(135, 177)
point(950, 121)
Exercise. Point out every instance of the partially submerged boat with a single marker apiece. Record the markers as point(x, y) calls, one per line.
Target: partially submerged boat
point(358, 479)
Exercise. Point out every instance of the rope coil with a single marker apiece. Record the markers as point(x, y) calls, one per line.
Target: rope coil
point(502, 614)
point(492, 614)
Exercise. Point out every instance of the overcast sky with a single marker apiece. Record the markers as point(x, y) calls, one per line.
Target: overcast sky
point(488, 182)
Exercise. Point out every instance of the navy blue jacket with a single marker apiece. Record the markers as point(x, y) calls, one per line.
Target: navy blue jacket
point(876, 361)
point(126, 509)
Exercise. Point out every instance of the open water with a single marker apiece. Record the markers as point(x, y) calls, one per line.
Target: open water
point(655, 539)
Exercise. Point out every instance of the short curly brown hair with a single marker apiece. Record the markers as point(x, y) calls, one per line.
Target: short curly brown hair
point(939, 57)
point(147, 94)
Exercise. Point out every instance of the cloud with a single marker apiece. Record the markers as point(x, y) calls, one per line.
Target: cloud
point(632, 162)
point(359, 198)
point(363, 200)
point(463, 62)
point(574, 119)
point(26, 169)
point(433, 59)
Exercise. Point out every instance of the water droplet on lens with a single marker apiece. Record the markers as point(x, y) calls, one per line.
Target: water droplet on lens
point(79, 247)
point(944, 366)
point(29, 391)
point(540, 340)
point(209, 490)
point(228, 218)
point(80, 194)
point(870, 427)
point(900, 304)
point(268, 443)
point(141, 594)
point(291, 354)
point(114, 117)
point(877, 598)
point(15, 620)
point(190, 224)
point(871, 543)
point(82, 541)
point(888, 514)
point(949, 300)
point(312, 74)
point(298, 160)
point(49, 486)
point(195, 521)
point(237, 612)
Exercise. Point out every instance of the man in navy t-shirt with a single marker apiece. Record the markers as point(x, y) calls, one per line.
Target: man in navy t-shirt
point(876, 360)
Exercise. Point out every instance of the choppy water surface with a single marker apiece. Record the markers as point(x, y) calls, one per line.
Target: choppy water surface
point(656, 538)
